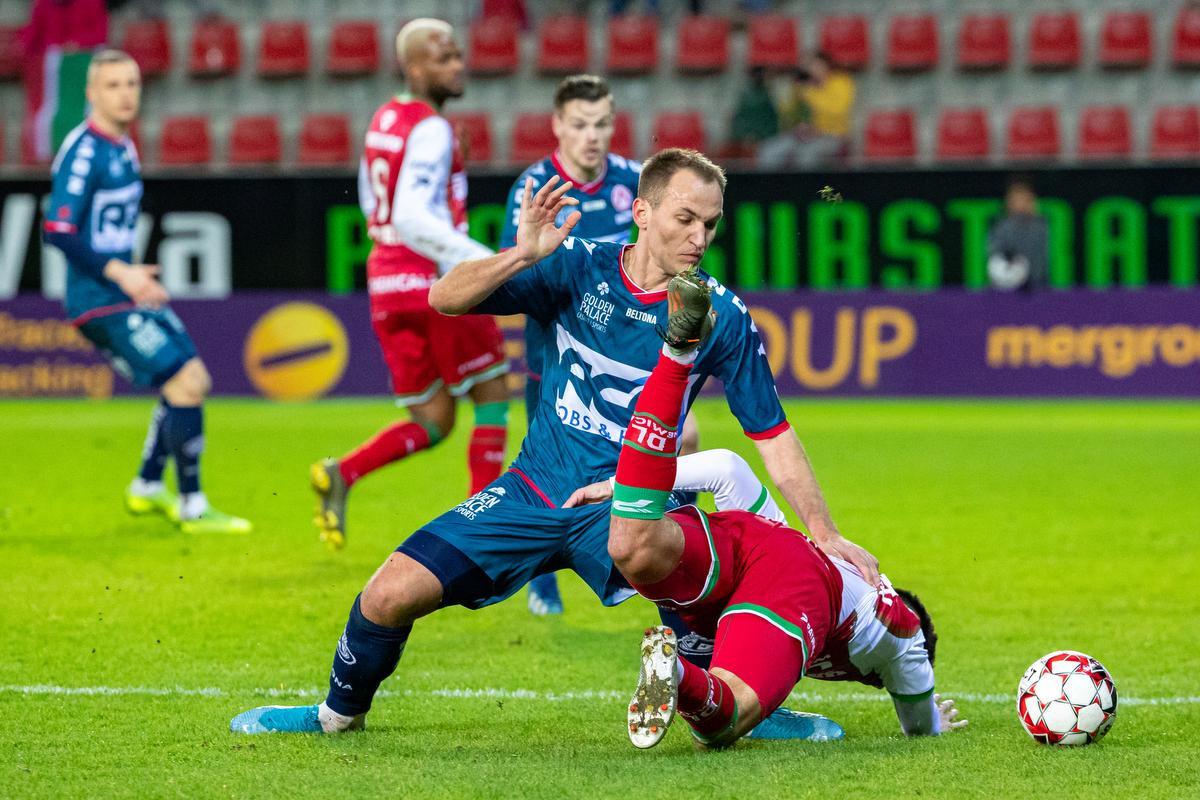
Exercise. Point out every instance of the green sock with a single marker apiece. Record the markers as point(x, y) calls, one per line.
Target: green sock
point(492, 413)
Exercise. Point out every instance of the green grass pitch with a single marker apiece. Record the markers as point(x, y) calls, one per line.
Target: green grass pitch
point(1026, 527)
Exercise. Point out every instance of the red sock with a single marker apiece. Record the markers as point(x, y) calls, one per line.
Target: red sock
point(390, 444)
point(707, 703)
point(485, 455)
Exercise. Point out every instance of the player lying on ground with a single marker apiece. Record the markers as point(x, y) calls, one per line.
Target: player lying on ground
point(120, 306)
point(776, 606)
point(412, 186)
point(603, 301)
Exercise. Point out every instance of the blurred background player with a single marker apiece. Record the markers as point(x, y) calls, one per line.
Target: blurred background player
point(1019, 242)
point(605, 184)
point(120, 306)
point(413, 191)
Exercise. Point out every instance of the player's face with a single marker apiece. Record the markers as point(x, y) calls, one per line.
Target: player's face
point(443, 69)
point(680, 229)
point(584, 129)
point(115, 92)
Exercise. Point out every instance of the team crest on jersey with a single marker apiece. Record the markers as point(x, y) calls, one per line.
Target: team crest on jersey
point(602, 288)
point(387, 119)
point(621, 198)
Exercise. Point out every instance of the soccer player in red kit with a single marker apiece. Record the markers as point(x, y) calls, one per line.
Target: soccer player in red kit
point(413, 190)
point(771, 600)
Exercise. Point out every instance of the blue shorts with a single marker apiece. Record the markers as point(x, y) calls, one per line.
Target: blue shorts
point(146, 346)
point(490, 545)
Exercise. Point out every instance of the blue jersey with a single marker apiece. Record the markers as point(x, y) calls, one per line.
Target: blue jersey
point(92, 216)
point(603, 343)
point(607, 207)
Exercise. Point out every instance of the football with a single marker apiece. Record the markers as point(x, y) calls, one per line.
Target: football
point(1066, 698)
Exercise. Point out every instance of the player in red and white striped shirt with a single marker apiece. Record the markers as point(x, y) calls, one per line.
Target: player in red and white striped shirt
point(413, 191)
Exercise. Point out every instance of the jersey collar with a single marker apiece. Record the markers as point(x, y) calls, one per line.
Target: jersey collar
point(639, 294)
point(92, 129)
point(591, 187)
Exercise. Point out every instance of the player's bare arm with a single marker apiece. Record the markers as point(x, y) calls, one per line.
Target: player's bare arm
point(468, 283)
point(790, 469)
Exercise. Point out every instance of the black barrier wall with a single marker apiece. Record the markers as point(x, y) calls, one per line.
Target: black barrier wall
point(894, 230)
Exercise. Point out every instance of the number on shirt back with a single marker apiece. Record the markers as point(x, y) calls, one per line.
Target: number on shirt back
point(378, 172)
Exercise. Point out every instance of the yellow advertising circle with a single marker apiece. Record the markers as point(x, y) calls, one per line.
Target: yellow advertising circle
point(296, 351)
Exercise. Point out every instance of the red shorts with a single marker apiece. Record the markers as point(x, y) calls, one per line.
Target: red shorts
point(774, 597)
point(425, 351)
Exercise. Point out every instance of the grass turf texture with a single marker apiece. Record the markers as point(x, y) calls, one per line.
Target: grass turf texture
point(1026, 527)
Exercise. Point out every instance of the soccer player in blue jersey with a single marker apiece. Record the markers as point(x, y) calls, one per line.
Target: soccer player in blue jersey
point(120, 306)
point(604, 304)
point(605, 184)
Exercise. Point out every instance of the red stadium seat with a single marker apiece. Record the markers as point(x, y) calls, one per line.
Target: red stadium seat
point(324, 140)
point(10, 52)
point(255, 140)
point(1033, 132)
point(912, 43)
point(679, 129)
point(185, 141)
point(632, 45)
point(1185, 47)
point(1104, 132)
point(215, 49)
point(149, 43)
point(532, 138)
point(890, 136)
point(493, 47)
point(1125, 40)
point(846, 40)
point(474, 131)
point(702, 45)
point(984, 42)
point(563, 45)
point(283, 50)
point(774, 42)
point(1054, 40)
point(963, 134)
point(622, 141)
point(353, 49)
point(1176, 132)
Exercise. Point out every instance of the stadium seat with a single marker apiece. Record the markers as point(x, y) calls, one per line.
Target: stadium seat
point(1033, 132)
point(984, 42)
point(215, 49)
point(324, 140)
point(474, 130)
point(679, 129)
point(493, 47)
point(622, 141)
point(1125, 40)
point(963, 134)
point(149, 42)
point(1185, 47)
point(1176, 132)
point(532, 139)
point(774, 42)
point(891, 135)
point(1104, 132)
point(283, 50)
point(1054, 41)
point(184, 141)
point(562, 45)
point(632, 45)
point(846, 40)
point(353, 49)
point(912, 43)
point(10, 52)
point(255, 140)
point(702, 45)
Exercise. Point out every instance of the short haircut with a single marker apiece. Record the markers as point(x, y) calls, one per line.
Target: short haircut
point(104, 57)
point(1020, 182)
point(413, 28)
point(580, 87)
point(918, 608)
point(658, 169)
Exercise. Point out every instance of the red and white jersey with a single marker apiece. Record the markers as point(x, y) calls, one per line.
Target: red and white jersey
point(412, 186)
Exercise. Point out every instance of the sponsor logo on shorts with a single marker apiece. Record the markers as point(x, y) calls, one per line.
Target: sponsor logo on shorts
point(476, 504)
point(401, 282)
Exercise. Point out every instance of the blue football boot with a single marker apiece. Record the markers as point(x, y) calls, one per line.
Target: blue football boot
point(544, 598)
point(787, 724)
point(277, 719)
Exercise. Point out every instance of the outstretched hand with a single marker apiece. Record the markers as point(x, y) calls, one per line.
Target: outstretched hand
point(597, 492)
point(537, 235)
point(948, 715)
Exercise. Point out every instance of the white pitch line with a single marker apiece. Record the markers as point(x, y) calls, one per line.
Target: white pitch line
point(503, 694)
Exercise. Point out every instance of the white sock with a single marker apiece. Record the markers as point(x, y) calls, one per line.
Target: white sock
point(192, 505)
point(333, 722)
point(145, 488)
point(687, 359)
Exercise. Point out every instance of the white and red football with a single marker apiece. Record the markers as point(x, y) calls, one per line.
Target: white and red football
point(1067, 698)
